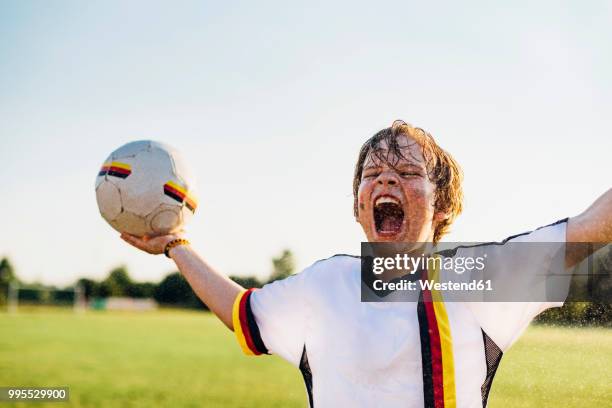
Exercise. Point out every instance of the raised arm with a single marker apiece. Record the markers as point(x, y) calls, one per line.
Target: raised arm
point(212, 287)
point(593, 225)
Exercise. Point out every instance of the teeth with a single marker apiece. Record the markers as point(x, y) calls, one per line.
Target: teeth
point(386, 199)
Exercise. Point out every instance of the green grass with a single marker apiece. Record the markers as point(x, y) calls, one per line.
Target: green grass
point(188, 359)
point(556, 367)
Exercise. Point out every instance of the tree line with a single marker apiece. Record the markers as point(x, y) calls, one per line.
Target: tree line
point(172, 290)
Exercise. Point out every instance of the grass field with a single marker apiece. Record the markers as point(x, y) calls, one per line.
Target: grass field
point(188, 359)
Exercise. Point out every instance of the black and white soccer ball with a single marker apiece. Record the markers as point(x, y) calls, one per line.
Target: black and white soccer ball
point(145, 188)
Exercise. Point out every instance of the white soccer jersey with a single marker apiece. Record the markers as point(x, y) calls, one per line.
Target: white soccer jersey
point(408, 354)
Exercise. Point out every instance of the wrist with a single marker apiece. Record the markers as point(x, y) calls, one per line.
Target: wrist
point(174, 244)
point(179, 251)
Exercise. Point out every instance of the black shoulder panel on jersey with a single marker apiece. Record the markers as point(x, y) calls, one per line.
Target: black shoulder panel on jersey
point(337, 255)
point(452, 252)
point(561, 221)
point(334, 256)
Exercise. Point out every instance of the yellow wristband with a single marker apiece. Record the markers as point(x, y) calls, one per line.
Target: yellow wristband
point(174, 243)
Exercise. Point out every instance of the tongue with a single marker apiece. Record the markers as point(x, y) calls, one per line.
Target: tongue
point(391, 224)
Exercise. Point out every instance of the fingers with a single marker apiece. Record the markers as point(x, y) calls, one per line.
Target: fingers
point(128, 238)
point(147, 244)
point(134, 241)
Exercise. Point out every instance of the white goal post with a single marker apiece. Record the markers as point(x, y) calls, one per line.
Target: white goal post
point(79, 302)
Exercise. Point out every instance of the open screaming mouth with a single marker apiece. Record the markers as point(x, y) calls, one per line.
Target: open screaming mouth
point(388, 216)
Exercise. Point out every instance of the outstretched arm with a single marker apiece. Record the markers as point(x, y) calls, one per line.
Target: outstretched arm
point(593, 225)
point(212, 287)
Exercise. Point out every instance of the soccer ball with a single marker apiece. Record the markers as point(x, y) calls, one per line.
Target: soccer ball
point(145, 188)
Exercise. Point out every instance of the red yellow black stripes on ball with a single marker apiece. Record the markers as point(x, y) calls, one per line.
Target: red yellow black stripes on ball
point(180, 194)
point(115, 169)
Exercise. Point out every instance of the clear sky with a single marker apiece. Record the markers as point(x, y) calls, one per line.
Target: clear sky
point(270, 103)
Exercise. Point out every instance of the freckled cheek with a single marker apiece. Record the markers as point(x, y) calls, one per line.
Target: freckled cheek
point(363, 207)
point(363, 193)
point(419, 193)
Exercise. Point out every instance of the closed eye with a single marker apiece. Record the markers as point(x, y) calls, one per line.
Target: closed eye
point(370, 172)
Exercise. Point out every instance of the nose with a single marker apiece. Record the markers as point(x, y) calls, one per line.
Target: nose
point(387, 178)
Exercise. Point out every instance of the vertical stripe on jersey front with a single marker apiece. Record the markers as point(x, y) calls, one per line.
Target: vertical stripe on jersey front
point(436, 349)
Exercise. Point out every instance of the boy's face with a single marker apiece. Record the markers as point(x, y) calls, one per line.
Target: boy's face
point(395, 197)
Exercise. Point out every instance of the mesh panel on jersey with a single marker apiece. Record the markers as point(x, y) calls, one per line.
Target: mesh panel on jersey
point(493, 355)
point(307, 374)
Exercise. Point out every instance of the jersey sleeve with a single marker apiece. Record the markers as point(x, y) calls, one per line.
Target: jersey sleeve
point(271, 320)
point(528, 268)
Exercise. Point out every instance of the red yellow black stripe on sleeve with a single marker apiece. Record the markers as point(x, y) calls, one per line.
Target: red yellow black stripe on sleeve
point(436, 351)
point(180, 194)
point(115, 169)
point(245, 326)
